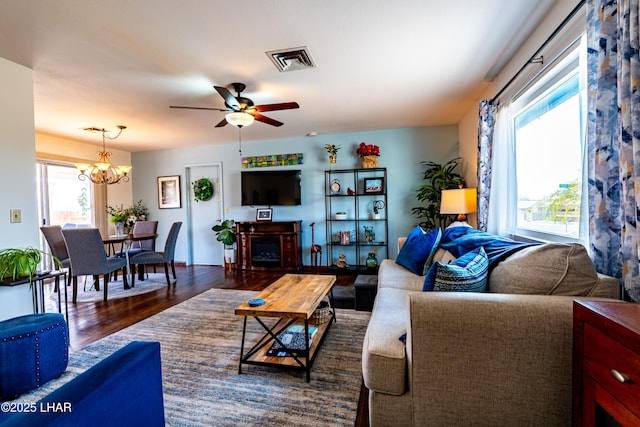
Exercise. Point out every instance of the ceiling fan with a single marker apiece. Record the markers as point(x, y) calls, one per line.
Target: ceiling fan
point(241, 104)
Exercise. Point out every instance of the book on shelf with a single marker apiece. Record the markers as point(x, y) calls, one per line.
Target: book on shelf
point(294, 341)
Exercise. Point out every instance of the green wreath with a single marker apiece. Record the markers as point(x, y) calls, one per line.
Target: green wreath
point(202, 189)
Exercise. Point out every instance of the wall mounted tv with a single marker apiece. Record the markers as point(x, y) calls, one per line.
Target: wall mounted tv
point(271, 188)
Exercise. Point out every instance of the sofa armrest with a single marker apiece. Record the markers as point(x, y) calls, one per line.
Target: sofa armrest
point(485, 358)
point(123, 389)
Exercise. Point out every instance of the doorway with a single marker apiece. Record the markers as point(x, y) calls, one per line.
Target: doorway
point(203, 248)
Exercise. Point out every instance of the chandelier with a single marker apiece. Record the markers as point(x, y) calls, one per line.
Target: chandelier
point(103, 171)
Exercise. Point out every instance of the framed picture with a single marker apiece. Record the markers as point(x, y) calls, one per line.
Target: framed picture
point(374, 185)
point(264, 214)
point(169, 192)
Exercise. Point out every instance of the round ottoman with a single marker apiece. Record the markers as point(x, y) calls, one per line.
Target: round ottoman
point(33, 350)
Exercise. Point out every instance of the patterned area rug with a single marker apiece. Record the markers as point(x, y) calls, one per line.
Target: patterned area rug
point(87, 293)
point(200, 342)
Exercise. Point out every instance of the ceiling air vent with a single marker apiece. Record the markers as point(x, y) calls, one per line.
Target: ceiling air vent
point(297, 58)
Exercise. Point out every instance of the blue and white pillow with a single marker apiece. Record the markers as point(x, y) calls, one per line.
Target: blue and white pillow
point(469, 273)
point(418, 249)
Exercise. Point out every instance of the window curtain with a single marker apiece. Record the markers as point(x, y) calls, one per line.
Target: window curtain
point(503, 205)
point(486, 123)
point(613, 126)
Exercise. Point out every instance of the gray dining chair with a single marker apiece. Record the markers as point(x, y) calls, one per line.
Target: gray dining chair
point(55, 240)
point(153, 257)
point(88, 258)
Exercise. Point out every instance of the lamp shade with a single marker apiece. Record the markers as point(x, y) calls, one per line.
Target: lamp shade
point(458, 201)
point(239, 119)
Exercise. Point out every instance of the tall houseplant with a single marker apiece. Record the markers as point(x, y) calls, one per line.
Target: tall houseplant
point(439, 177)
point(226, 234)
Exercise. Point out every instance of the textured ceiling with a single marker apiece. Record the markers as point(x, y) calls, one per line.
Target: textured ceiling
point(380, 64)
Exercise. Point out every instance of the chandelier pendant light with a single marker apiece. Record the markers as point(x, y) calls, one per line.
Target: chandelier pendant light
point(103, 171)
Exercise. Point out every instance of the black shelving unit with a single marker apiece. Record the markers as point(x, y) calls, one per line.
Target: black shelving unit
point(356, 202)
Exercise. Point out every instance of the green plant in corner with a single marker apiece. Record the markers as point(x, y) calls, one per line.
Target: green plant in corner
point(439, 177)
point(226, 232)
point(19, 263)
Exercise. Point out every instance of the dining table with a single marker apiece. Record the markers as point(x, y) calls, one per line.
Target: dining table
point(125, 241)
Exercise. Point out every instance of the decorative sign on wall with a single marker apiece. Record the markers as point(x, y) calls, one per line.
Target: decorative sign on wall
point(272, 160)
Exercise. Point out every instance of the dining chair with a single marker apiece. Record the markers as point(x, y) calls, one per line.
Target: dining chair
point(88, 257)
point(137, 246)
point(164, 257)
point(55, 240)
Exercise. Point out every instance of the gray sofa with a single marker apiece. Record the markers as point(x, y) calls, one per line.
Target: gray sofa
point(498, 358)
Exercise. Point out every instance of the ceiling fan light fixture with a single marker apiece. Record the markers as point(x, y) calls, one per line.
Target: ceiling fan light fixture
point(239, 119)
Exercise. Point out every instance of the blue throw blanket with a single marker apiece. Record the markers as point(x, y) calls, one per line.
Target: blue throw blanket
point(460, 240)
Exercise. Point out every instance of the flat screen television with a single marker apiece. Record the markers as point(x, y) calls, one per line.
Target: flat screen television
point(271, 188)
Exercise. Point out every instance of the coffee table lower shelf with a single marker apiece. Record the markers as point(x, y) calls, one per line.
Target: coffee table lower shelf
point(257, 355)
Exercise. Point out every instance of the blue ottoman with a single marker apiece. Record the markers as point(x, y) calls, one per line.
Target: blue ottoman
point(33, 350)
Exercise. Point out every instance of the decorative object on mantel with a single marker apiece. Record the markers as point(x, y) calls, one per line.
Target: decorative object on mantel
point(272, 160)
point(369, 154)
point(103, 171)
point(125, 219)
point(332, 149)
point(202, 189)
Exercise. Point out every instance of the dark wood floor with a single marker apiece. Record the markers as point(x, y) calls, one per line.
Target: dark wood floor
point(88, 322)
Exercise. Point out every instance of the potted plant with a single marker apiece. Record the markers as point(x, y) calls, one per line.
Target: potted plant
point(439, 177)
point(20, 263)
point(226, 234)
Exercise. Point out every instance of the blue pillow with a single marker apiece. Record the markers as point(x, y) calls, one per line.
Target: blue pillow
point(468, 273)
point(418, 250)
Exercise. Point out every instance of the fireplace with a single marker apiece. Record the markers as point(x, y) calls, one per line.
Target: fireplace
point(265, 251)
point(269, 245)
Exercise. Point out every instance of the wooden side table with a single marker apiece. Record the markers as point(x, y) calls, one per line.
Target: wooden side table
point(606, 363)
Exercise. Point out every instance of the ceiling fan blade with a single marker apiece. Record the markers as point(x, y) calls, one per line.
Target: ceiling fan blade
point(275, 107)
point(228, 97)
point(222, 123)
point(264, 119)
point(196, 108)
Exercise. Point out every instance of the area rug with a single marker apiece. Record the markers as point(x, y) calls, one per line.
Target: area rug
point(200, 340)
point(86, 293)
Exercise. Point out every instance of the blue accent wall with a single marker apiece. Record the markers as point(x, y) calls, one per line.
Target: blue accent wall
point(402, 150)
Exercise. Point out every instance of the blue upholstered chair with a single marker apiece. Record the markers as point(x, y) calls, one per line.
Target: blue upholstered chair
point(33, 350)
point(88, 257)
point(165, 257)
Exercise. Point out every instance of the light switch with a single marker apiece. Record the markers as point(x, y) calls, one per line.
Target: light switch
point(16, 215)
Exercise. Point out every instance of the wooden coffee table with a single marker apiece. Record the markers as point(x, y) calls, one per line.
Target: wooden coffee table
point(292, 299)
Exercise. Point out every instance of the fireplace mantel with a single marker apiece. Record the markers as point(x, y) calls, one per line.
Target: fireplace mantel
point(267, 245)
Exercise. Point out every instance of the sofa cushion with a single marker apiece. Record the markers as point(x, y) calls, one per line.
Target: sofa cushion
point(418, 249)
point(466, 274)
point(384, 363)
point(392, 275)
point(549, 269)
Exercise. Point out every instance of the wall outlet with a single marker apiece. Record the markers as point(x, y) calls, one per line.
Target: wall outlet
point(15, 215)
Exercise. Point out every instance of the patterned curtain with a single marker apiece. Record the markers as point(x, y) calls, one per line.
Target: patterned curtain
point(613, 132)
point(486, 124)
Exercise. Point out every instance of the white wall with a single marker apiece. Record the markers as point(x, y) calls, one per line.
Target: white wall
point(17, 173)
point(402, 150)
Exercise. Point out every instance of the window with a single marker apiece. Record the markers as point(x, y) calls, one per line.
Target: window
point(548, 154)
point(64, 199)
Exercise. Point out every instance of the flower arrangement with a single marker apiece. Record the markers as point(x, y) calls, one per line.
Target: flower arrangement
point(367, 150)
point(202, 189)
point(332, 149)
point(129, 216)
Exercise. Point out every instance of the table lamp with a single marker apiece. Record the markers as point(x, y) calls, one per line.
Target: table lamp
point(460, 201)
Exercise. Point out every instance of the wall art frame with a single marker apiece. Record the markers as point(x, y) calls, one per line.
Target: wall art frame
point(169, 196)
